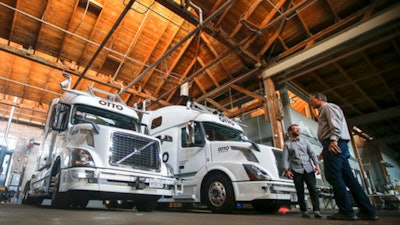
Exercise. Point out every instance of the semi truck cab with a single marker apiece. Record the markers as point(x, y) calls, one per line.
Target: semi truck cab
point(218, 165)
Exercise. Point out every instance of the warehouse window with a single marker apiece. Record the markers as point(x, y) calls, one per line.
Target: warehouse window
point(301, 105)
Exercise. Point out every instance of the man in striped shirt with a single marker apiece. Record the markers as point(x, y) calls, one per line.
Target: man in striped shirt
point(300, 164)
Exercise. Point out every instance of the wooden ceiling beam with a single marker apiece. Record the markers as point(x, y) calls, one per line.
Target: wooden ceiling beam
point(86, 51)
point(217, 4)
point(266, 21)
point(21, 106)
point(208, 72)
point(61, 49)
point(329, 2)
point(227, 84)
point(40, 30)
point(92, 78)
point(333, 92)
point(393, 112)
point(270, 41)
point(216, 104)
point(105, 40)
point(342, 23)
point(40, 120)
point(186, 78)
point(175, 62)
point(12, 26)
point(181, 80)
point(380, 78)
point(200, 85)
point(250, 106)
point(165, 49)
point(211, 30)
point(335, 59)
point(253, 5)
point(247, 92)
point(304, 25)
point(145, 21)
point(26, 81)
point(356, 86)
point(6, 90)
point(214, 52)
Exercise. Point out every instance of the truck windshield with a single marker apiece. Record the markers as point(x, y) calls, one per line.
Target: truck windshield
point(218, 132)
point(83, 113)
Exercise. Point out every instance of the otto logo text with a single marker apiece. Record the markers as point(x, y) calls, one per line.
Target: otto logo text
point(110, 104)
point(223, 149)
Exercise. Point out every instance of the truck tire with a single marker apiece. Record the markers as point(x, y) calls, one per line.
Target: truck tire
point(146, 206)
point(218, 193)
point(26, 199)
point(59, 200)
point(29, 200)
point(79, 203)
point(119, 204)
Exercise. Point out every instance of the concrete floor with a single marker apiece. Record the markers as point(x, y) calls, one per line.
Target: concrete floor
point(17, 214)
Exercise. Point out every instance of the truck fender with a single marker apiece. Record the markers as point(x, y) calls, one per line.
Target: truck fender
point(223, 170)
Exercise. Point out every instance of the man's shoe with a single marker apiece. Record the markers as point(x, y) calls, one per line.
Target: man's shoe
point(305, 215)
point(342, 216)
point(366, 216)
point(317, 214)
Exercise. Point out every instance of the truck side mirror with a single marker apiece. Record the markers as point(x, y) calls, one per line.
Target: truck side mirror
point(190, 132)
point(144, 128)
point(167, 138)
point(60, 120)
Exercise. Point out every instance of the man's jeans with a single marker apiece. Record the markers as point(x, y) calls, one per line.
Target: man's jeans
point(339, 174)
point(309, 178)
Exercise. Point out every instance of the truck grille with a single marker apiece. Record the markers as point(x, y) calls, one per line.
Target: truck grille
point(135, 151)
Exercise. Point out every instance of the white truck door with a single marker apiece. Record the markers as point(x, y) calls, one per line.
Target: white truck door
point(191, 156)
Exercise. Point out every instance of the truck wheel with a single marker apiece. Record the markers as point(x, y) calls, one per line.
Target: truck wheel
point(79, 203)
point(59, 200)
point(27, 200)
point(127, 204)
point(218, 193)
point(146, 206)
point(120, 204)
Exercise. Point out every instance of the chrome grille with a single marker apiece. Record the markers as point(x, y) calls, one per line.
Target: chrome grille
point(135, 151)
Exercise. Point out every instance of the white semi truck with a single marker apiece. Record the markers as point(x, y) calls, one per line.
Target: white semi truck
point(92, 149)
point(217, 164)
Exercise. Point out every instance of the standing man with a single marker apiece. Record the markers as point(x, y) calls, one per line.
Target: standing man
point(300, 164)
point(334, 137)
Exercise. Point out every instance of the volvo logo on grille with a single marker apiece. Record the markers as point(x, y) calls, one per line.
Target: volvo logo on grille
point(136, 151)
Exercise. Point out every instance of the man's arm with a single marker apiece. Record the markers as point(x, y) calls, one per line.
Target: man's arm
point(285, 159)
point(314, 158)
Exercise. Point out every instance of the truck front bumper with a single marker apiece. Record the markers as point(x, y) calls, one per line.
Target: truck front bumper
point(115, 181)
point(265, 190)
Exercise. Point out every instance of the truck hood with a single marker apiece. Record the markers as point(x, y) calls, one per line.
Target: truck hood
point(245, 153)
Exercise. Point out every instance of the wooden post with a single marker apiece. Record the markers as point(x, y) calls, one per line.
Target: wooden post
point(274, 113)
point(358, 157)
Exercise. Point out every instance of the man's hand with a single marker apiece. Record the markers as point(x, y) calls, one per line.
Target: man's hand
point(317, 169)
point(334, 147)
point(289, 174)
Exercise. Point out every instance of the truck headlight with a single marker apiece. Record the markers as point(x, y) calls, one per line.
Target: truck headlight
point(256, 174)
point(81, 157)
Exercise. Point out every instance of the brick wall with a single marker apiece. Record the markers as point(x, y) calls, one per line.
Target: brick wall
point(24, 134)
